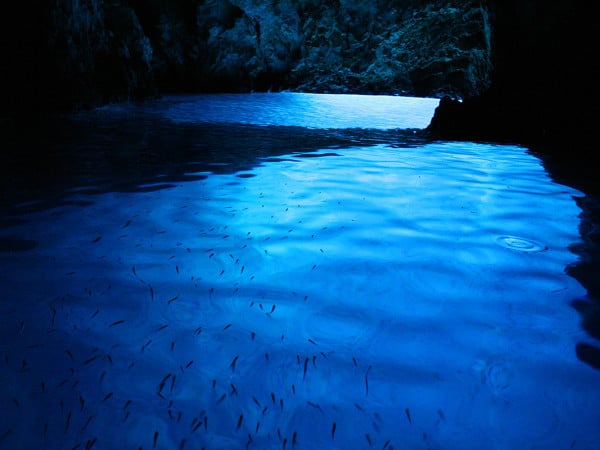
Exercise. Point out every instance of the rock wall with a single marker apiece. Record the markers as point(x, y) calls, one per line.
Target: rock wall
point(77, 53)
point(542, 84)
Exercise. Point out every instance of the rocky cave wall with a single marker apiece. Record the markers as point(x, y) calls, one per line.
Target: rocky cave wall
point(70, 54)
point(542, 91)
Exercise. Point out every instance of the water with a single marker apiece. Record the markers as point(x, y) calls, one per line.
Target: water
point(194, 275)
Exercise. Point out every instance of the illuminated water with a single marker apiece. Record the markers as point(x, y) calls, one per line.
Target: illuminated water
point(183, 281)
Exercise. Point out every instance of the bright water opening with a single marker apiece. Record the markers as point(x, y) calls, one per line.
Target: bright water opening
point(273, 287)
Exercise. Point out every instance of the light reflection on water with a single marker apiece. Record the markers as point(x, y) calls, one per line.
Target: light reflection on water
point(321, 111)
point(410, 292)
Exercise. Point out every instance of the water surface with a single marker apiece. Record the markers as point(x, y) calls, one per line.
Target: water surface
point(220, 276)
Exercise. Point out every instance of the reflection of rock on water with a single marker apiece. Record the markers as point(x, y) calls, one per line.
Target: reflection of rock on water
point(586, 271)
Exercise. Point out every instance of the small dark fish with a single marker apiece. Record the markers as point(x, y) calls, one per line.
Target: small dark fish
point(133, 270)
point(205, 420)
point(273, 397)
point(357, 406)
point(151, 293)
point(267, 356)
point(87, 422)
point(376, 427)
point(127, 224)
point(226, 326)
point(221, 398)
point(90, 443)
point(354, 361)
point(232, 365)
point(305, 367)
point(407, 411)
point(96, 240)
point(242, 271)
point(182, 444)
point(441, 414)
point(257, 427)
point(264, 410)
point(294, 389)
point(256, 401)
point(214, 383)
point(6, 434)
point(118, 322)
point(252, 335)
point(107, 396)
point(278, 433)
point(89, 360)
point(173, 382)
point(146, 345)
point(81, 402)
point(155, 439)
point(198, 425)
point(127, 403)
point(68, 421)
point(281, 403)
point(294, 438)
point(314, 361)
point(369, 440)
point(240, 420)
point(179, 414)
point(333, 427)
point(233, 390)
point(177, 269)
point(314, 405)
point(43, 386)
point(367, 380)
point(284, 443)
point(162, 327)
point(189, 364)
point(162, 383)
point(312, 342)
point(272, 309)
point(386, 444)
point(172, 345)
point(172, 299)
point(198, 330)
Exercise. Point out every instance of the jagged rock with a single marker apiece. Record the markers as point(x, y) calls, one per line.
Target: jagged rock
point(87, 52)
point(540, 92)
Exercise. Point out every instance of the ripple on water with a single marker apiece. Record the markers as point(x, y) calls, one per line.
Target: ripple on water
point(520, 244)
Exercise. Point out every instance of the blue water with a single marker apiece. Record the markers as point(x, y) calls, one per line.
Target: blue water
point(290, 271)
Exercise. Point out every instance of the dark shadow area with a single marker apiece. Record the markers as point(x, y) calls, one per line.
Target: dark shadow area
point(580, 173)
point(88, 154)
